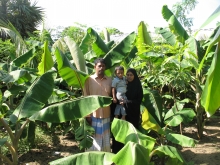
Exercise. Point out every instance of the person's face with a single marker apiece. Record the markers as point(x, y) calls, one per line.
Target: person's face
point(130, 76)
point(119, 73)
point(99, 69)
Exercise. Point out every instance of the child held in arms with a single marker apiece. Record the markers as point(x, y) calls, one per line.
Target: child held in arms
point(118, 91)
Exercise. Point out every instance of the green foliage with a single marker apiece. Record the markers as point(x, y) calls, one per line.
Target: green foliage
point(7, 51)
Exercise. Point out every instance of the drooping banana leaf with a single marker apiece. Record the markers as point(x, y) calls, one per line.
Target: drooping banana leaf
point(117, 54)
point(14, 90)
point(76, 53)
point(210, 98)
point(19, 76)
point(23, 59)
point(86, 158)
point(174, 25)
point(46, 60)
point(36, 96)
point(71, 109)
point(171, 152)
point(181, 140)
point(167, 35)
point(132, 154)
point(153, 102)
point(93, 39)
point(68, 72)
point(143, 38)
point(125, 132)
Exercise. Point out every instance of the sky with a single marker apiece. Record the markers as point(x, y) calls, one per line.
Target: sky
point(124, 15)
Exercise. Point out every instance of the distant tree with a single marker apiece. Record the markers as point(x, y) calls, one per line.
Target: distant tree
point(76, 32)
point(182, 9)
point(24, 15)
point(111, 31)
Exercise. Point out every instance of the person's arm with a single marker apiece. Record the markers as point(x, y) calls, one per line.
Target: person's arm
point(139, 97)
point(114, 95)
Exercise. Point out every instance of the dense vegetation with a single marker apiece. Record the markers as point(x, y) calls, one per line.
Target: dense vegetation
point(41, 81)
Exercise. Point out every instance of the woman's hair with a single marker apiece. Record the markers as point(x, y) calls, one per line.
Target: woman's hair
point(119, 68)
point(99, 60)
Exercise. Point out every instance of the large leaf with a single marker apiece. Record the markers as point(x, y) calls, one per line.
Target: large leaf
point(46, 60)
point(143, 38)
point(170, 151)
point(71, 109)
point(153, 102)
point(18, 75)
point(149, 123)
point(68, 72)
point(14, 90)
point(23, 59)
point(174, 25)
point(76, 53)
point(120, 51)
point(132, 154)
point(210, 98)
point(125, 132)
point(167, 35)
point(174, 117)
point(94, 40)
point(181, 140)
point(86, 158)
point(2, 141)
point(36, 95)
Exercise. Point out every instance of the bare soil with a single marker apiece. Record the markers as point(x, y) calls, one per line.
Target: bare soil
point(206, 152)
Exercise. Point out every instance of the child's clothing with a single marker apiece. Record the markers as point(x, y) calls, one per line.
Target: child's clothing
point(120, 86)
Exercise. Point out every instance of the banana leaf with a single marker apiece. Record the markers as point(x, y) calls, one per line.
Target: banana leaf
point(68, 72)
point(167, 35)
point(125, 132)
point(87, 158)
point(210, 98)
point(174, 25)
point(46, 60)
point(181, 140)
point(153, 102)
point(143, 38)
point(23, 59)
point(132, 154)
point(171, 152)
point(76, 53)
point(71, 109)
point(19, 76)
point(36, 96)
point(93, 39)
point(118, 53)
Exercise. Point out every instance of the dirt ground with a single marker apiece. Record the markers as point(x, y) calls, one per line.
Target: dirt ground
point(206, 152)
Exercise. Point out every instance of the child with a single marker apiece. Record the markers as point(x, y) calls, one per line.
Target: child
point(118, 91)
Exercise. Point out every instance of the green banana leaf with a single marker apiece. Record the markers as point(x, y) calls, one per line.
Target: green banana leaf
point(210, 98)
point(213, 16)
point(14, 90)
point(153, 102)
point(174, 25)
point(93, 39)
point(71, 109)
point(36, 96)
point(174, 117)
point(23, 59)
point(181, 140)
point(68, 72)
point(83, 134)
point(19, 76)
point(46, 60)
point(118, 53)
point(76, 53)
point(143, 38)
point(86, 158)
point(167, 35)
point(171, 152)
point(132, 154)
point(125, 132)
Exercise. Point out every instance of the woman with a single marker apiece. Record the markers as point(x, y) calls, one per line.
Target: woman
point(134, 95)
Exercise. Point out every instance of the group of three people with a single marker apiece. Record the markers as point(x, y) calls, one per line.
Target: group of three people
point(100, 84)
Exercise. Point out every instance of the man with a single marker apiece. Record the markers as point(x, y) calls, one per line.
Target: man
point(99, 84)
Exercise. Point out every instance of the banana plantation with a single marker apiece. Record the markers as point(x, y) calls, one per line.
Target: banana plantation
point(41, 83)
